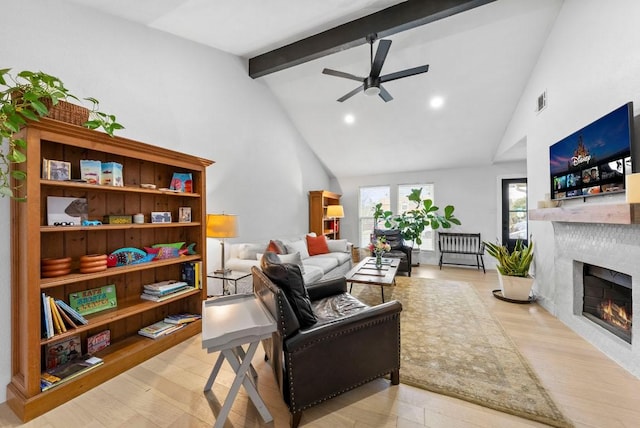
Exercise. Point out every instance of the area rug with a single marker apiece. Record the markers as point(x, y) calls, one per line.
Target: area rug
point(452, 345)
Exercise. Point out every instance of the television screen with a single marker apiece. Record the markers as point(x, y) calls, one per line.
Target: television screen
point(595, 159)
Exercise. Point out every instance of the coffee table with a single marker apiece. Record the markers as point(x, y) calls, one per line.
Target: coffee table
point(366, 272)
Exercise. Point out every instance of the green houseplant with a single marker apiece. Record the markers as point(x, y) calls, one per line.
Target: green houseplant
point(28, 95)
point(513, 268)
point(412, 223)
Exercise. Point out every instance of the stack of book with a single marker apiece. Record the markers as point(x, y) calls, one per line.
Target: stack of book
point(164, 290)
point(57, 317)
point(159, 329)
point(65, 372)
point(182, 318)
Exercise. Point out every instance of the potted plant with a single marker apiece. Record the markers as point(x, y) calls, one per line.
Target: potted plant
point(413, 222)
point(513, 268)
point(29, 95)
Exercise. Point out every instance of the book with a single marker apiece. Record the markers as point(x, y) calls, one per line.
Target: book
point(65, 317)
point(164, 293)
point(188, 273)
point(182, 182)
point(58, 324)
point(62, 351)
point(48, 320)
point(98, 341)
point(94, 300)
point(70, 370)
point(168, 285)
point(182, 318)
point(158, 329)
point(166, 296)
point(71, 312)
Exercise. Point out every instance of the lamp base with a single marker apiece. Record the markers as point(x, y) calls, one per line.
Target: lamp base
point(222, 271)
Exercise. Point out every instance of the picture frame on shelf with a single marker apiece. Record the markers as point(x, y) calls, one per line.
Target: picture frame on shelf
point(184, 215)
point(160, 217)
point(182, 182)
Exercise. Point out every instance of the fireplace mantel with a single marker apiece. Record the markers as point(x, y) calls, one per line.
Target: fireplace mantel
point(620, 213)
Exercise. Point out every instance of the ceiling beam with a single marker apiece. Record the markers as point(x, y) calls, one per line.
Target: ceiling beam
point(394, 19)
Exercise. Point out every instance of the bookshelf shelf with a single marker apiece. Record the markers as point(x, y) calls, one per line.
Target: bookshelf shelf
point(32, 240)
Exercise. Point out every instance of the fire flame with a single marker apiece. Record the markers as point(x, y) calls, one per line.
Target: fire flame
point(616, 315)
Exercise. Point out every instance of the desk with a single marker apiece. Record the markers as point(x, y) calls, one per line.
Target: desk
point(228, 323)
point(232, 276)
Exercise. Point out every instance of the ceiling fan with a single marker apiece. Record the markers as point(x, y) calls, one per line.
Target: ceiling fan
point(372, 84)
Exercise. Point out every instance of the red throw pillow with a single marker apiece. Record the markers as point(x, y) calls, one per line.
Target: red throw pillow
point(317, 245)
point(276, 247)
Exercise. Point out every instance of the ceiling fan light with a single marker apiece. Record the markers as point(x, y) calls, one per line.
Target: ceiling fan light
point(372, 91)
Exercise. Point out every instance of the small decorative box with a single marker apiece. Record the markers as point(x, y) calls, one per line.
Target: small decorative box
point(91, 171)
point(117, 219)
point(112, 174)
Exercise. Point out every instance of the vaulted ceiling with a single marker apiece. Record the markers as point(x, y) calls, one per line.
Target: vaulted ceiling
point(479, 63)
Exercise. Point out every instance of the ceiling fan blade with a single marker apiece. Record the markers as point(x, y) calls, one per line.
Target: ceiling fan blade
point(381, 55)
point(386, 96)
point(350, 94)
point(404, 73)
point(342, 74)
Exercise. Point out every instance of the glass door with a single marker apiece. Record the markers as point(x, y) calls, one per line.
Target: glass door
point(514, 212)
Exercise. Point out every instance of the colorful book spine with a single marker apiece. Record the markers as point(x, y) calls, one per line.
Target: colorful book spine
point(72, 312)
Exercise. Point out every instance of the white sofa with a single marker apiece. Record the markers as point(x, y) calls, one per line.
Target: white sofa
point(334, 264)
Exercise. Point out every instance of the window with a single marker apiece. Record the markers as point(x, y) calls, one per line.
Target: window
point(369, 198)
point(404, 204)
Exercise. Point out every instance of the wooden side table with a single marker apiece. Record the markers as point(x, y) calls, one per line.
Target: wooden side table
point(228, 323)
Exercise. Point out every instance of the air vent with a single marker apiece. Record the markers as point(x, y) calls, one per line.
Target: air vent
point(542, 102)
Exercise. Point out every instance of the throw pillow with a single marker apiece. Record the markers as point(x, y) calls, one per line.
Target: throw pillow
point(249, 251)
point(298, 247)
point(317, 245)
point(292, 258)
point(276, 247)
point(288, 278)
point(337, 245)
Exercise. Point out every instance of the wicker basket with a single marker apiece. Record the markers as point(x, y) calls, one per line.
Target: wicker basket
point(67, 112)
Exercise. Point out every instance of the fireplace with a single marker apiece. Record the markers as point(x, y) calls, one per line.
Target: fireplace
point(607, 300)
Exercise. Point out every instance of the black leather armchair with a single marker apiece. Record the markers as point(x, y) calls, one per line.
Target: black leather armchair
point(348, 345)
point(398, 249)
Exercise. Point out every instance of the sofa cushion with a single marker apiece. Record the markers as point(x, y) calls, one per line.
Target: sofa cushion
point(277, 247)
point(298, 246)
point(337, 245)
point(287, 276)
point(339, 257)
point(317, 245)
point(325, 263)
point(292, 258)
point(249, 251)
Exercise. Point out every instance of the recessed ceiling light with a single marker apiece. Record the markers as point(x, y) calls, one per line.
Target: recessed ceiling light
point(436, 102)
point(349, 119)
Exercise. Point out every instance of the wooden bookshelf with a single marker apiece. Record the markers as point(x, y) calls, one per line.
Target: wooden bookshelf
point(32, 239)
point(318, 221)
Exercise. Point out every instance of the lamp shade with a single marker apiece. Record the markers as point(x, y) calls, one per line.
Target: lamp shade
point(335, 211)
point(221, 226)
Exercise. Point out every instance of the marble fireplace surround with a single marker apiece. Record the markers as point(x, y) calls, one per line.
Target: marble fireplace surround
point(601, 235)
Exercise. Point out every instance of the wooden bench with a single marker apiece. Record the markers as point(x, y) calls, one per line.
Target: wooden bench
point(461, 243)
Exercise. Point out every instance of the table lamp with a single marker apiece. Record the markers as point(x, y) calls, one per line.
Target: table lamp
point(221, 226)
point(335, 212)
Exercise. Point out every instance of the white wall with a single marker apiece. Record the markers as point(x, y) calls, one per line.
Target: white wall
point(173, 94)
point(473, 192)
point(589, 66)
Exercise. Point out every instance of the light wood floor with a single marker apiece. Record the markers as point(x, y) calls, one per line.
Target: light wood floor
point(166, 391)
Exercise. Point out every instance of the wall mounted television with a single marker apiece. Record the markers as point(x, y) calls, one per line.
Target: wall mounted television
point(595, 159)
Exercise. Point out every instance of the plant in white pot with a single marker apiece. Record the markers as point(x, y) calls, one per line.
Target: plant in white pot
point(513, 268)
